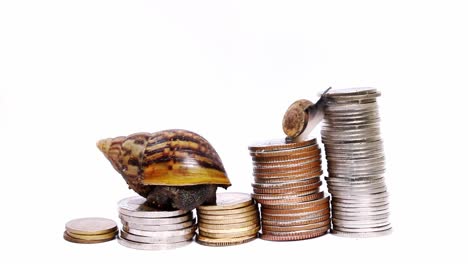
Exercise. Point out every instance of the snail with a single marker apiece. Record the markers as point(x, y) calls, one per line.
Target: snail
point(302, 117)
point(172, 169)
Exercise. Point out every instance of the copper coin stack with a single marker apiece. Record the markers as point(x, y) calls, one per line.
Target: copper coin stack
point(356, 163)
point(233, 220)
point(147, 228)
point(287, 186)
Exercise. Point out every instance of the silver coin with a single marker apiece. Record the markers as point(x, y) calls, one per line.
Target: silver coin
point(360, 146)
point(363, 139)
point(362, 235)
point(359, 205)
point(359, 202)
point(162, 234)
point(361, 211)
point(362, 230)
point(349, 91)
point(156, 221)
point(367, 131)
point(340, 156)
point(156, 228)
point(352, 97)
point(357, 190)
point(378, 182)
point(350, 107)
point(135, 206)
point(358, 196)
point(156, 239)
point(145, 246)
point(379, 222)
point(360, 217)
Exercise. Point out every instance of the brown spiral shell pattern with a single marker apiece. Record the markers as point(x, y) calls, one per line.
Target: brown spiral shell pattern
point(169, 158)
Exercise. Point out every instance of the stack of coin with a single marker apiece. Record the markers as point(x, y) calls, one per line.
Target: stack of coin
point(151, 229)
point(355, 157)
point(233, 220)
point(90, 230)
point(287, 185)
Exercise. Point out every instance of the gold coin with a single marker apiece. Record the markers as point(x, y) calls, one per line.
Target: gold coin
point(229, 230)
point(249, 232)
point(228, 220)
point(253, 221)
point(220, 242)
point(228, 200)
point(82, 241)
point(91, 226)
point(229, 212)
point(251, 211)
point(93, 237)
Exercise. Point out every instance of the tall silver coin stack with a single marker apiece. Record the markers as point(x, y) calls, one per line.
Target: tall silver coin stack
point(147, 228)
point(356, 163)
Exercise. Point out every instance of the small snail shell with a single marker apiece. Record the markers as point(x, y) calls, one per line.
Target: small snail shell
point(302, 117)
point(171, 168)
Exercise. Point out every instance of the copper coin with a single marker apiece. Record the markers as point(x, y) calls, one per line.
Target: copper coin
point(280, 144)
point(91, 226)
point(284, 153)
point(289, 184)
point(297, 222)
point(295, 211)
point(286, 179)
point(324, 200)
point(291, 174)
point(298, 199)
point(292, 167)
point(297, 189)
point(296, 228)
point(305, 155)
point(296, 216)
point(286, 163)
point(296, 236)
point(274, 196)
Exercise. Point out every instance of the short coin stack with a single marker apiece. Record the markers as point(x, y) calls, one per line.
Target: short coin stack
point(287, 185)
point(233, 220)
point(355, 157)
point(150, 229)
point(90, 230)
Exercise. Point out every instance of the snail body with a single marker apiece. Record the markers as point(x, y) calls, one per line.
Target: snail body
point(173, 169)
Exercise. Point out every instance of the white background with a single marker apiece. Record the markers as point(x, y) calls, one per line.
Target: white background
point(72, 72)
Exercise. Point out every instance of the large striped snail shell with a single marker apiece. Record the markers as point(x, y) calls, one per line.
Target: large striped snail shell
point(173, 169)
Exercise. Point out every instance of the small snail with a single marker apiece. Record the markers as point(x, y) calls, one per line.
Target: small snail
point(302, 117)
point(172, 169)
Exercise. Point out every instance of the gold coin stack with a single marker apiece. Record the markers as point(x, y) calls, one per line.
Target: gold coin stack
point(90, 230)
point(147, 228)
point(287, 186)
point(233, 220)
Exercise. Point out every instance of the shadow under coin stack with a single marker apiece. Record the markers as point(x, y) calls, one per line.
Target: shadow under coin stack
point(355, 157)
point(287, 185)
point(233, 220)
point(150, 229)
